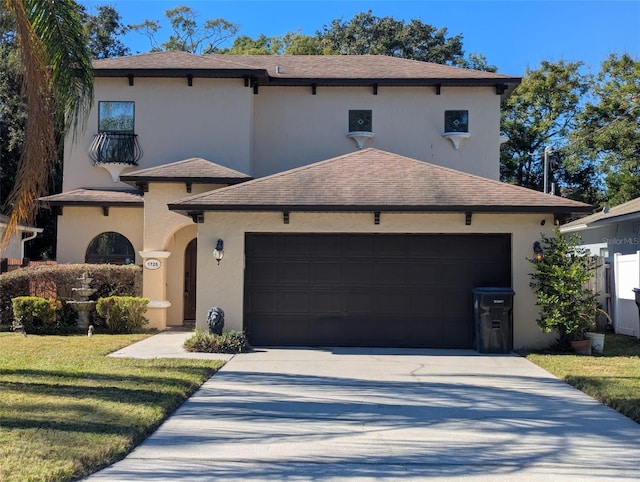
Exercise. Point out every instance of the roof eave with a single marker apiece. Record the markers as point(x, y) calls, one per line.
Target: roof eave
point(133, 180)
point(123, 204)
point(179, 207)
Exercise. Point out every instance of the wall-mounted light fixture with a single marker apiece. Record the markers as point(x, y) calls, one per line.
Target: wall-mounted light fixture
point(218, 252)
point(538, 254)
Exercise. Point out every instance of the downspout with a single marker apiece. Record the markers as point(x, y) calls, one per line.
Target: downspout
point(28, 238)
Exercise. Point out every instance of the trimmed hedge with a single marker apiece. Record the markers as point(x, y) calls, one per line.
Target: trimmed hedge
point(123, 314)
point(228, 342)
point(57, 281)
point(34, 314)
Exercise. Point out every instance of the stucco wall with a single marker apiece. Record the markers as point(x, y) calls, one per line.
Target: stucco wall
point(223, 285)
point(211, 119)
point(284, 127)
point(294, 127)
point(77, 226)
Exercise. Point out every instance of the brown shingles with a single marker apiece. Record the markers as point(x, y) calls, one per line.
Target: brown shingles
point(298, 66)
point(194, 169)
point(94, 197)
point(374, 179)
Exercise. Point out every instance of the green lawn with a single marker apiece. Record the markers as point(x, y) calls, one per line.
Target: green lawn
point(613, 377)
point(66, 409)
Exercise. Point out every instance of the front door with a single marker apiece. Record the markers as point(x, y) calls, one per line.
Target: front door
point(190, 264)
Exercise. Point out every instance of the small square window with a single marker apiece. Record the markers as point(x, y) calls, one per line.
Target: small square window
point(456, 121)
point(360, 121)
point(116, 116)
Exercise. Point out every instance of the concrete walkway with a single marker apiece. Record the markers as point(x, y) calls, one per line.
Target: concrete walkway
point(378, 414)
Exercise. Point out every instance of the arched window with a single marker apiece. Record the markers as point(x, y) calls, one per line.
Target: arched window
point(110, 248)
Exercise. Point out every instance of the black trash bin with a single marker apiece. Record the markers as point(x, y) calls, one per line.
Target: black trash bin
point(493, 313)
point(637, 293)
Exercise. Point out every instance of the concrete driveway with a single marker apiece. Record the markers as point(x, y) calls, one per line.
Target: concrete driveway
point(378, 414)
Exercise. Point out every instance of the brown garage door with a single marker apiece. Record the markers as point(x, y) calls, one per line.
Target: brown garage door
point(368, 290)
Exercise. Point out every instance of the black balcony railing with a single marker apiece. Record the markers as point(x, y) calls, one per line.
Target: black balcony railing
point(115, 147)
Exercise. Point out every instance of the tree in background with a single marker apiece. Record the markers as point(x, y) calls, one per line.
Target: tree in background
point(103, 31)
point(188, 35)
point(57, 84)
point(608, 129)
point(13, 112)
point(541, 112)
point(367, 34)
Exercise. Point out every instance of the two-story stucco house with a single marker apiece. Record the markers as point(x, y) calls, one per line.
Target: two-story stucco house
point(318, 200)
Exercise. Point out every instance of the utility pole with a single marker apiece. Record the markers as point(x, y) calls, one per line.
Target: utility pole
point(547, 150)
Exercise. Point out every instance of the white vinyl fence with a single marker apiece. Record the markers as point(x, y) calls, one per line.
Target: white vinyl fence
point(626, 272)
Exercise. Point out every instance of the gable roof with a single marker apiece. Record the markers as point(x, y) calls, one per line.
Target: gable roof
point(628, 211)
point(301, 70)
point(375, 180)
point(195, 170)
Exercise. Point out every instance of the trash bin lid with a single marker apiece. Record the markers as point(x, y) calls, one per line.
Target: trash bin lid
point(636, 290)
point(493, 290)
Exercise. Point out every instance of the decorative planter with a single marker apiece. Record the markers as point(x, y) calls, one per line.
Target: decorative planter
point(597, 341)
point(582, 347)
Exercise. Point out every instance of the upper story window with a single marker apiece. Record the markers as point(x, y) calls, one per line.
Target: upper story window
point(456, 121)
point(116, 116)
point(115, 146)
point(360, 121)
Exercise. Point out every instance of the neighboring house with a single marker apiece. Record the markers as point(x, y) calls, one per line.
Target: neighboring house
point(374, 210)
point(614, 234)
point(15, 247)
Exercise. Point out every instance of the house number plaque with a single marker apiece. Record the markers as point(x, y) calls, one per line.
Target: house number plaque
point(152, 263)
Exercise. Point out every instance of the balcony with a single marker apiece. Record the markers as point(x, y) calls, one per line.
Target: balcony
point(115, 151)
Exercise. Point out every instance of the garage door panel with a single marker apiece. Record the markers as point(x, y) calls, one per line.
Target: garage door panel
point(263, 272)
point(358, 246)
point(293, 272)
point(369, 290)
point(326, 302)
point(263, 301)
point(390, 302)
point(357, 301)
point(294, 246)
point(290, 301)
point(329, 272)
point(357, 273)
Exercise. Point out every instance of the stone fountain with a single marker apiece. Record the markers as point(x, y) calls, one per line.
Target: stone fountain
point(81, 302)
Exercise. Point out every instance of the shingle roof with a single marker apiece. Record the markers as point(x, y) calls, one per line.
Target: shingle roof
point(628, 210)
point(300, 69)
point(374, 180)
point(195, 169)
point(95, 197)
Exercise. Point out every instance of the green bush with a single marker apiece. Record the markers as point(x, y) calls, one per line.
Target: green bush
point(123, 314)
point(34, 314)
point(59, 280)
point(559, 280)
point(228, 342)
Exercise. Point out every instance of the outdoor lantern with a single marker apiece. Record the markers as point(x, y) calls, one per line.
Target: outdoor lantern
point(537, 251)
point(218, 252)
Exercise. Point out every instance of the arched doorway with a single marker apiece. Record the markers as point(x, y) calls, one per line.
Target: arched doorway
point(190, 269)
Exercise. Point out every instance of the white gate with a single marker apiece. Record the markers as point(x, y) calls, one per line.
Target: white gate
point(626, 269)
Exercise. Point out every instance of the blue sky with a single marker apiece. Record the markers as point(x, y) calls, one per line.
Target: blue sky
point(514, 35)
